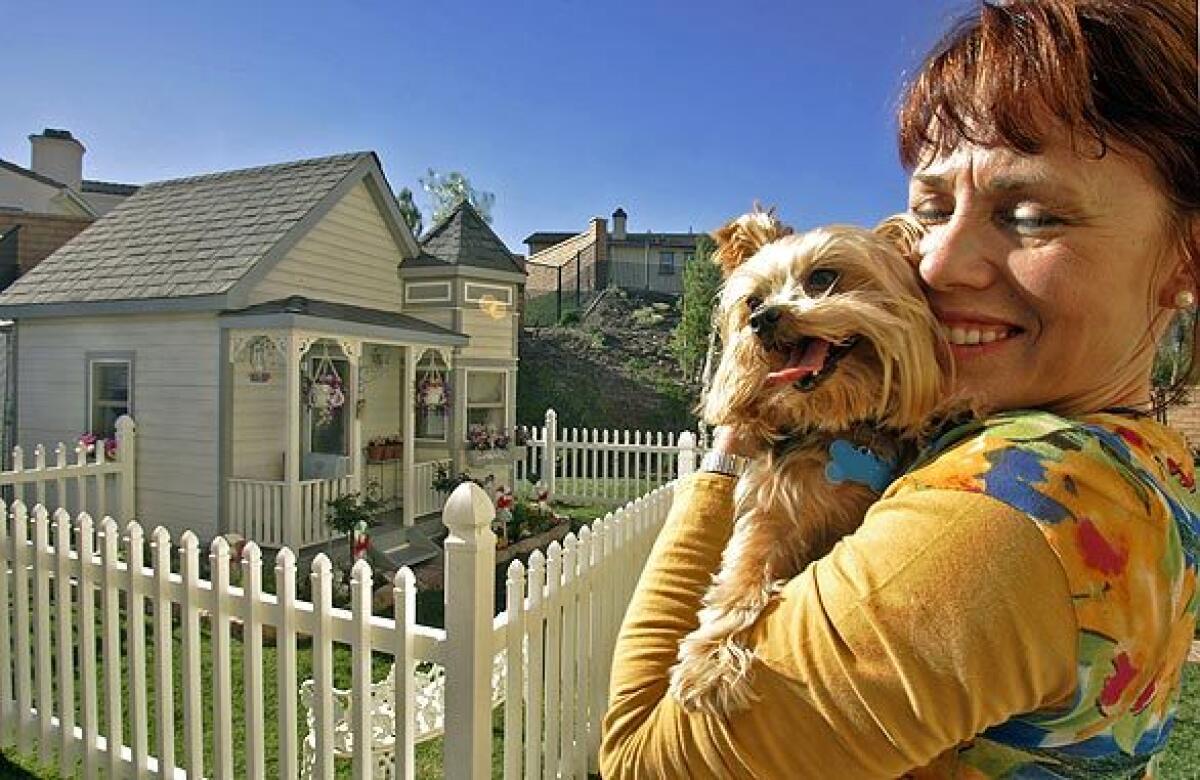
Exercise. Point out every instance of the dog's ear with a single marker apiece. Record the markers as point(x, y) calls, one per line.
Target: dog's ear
point(741, 239)
point(905, 233)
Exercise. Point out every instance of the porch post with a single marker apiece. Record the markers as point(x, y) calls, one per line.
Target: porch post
point(353, 351)
point(291, 456)
point(408, 403)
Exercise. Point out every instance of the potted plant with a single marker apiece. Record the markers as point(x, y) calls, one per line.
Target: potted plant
point(444, 481)
point(351, 515)
point(395, 446)
point(377, 449)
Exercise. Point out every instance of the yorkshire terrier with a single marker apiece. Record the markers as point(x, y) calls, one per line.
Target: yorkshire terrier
point(834, 363)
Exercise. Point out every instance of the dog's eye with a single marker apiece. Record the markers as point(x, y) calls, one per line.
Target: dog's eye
point(821, 281)
point(753, 302)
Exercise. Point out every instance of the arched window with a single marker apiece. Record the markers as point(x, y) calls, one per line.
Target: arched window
point(432, 397)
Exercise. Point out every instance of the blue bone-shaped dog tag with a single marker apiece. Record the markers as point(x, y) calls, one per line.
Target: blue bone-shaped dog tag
point(848, 463)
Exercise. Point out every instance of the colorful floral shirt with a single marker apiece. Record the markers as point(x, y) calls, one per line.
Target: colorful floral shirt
point(1115, 496)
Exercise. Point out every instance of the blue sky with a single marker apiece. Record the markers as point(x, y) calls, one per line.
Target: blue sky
point(683, 113)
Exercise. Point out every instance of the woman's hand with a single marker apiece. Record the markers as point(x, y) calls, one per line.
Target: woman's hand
point(732, 440)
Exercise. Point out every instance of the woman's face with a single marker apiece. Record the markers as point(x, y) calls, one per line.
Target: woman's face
point(1050, 273)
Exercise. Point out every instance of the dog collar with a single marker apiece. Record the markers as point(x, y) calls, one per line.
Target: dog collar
point(849, 462)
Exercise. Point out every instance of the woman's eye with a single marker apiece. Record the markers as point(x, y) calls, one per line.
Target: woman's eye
point(930, 214)
point(821, 281)
point(1028, 219)
point(753, 302)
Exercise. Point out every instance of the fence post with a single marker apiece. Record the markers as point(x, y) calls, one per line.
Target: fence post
point(127, 454)
point(470, 552)
point(687, 453)
point(549, 465)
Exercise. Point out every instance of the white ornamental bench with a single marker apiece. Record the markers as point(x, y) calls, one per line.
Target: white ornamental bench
point(429, 717)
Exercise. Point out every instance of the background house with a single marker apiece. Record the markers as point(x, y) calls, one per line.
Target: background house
point(47, 204)
point(598, 257)
point(225, 311)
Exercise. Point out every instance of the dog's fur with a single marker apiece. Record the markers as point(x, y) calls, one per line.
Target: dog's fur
point(881, 394)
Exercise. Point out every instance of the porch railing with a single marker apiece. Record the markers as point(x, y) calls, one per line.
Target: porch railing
point(426, 499)
point(256, 509)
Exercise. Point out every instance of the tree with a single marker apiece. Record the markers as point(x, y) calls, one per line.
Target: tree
point(410, 212)
point(701, 283)
point(447, 190)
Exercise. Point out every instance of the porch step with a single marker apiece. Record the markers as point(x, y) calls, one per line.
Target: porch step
point(401, 548)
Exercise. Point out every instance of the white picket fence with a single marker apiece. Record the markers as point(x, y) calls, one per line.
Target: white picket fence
point(75, 478)
point(70, 587)
point(590, 465)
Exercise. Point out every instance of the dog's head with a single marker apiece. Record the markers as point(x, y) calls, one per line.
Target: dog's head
point(823, 329)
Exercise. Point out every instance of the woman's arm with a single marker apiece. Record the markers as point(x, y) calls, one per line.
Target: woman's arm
point(945, 613)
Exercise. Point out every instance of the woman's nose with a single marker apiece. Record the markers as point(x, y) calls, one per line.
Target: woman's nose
point(957, 254)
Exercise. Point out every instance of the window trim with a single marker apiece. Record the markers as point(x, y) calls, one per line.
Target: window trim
point(502, 404)
point(90, 360)
point(665, 269)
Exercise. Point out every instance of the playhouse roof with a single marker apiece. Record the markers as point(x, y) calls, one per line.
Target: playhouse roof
point(463, 238)
point(194, 238)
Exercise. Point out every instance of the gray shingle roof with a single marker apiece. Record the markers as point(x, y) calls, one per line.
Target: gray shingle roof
point(464, 239)
point(183, 238)
point(298, 304)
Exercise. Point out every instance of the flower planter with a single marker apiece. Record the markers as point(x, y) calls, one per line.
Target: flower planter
point(484, 457)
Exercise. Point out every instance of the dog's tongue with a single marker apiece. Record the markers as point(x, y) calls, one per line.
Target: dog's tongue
point(803, 361)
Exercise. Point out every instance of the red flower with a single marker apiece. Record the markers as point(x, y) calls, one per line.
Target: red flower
point(1097, 552)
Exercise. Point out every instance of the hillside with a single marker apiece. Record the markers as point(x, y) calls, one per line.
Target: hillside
point(611, 369)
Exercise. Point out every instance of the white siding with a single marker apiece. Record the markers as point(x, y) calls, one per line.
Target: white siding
point(490, 337)
point(381, 412)
point(348, 257)
point(175, 396)
point(259, 433)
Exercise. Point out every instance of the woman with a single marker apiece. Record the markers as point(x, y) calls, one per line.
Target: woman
point(1021, 602)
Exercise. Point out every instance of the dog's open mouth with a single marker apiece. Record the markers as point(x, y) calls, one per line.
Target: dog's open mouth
point(808, 361)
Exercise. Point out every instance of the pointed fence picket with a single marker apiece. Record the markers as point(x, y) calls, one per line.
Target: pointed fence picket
point(96, 482)
point(93, 620)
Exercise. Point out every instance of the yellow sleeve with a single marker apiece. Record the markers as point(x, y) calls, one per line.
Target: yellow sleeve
point(945, 613)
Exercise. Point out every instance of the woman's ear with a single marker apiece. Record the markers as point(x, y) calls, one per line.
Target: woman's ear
point(1179, 289)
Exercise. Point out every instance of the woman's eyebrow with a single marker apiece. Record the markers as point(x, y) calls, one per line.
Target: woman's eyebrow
point(1006, 184)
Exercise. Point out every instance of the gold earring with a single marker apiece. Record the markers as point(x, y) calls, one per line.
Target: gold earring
point(1185, 299)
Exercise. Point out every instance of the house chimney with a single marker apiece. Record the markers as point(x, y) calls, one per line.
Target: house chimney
point(619, 224)
point(58, 155)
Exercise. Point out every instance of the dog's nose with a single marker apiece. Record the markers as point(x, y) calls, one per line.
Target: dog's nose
point(764, 319)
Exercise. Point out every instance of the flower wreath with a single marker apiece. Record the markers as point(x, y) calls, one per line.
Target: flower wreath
point(325, 396)
point(433, 394)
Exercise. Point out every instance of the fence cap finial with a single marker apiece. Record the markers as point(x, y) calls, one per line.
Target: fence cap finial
point(468, 508)
point(687, 439)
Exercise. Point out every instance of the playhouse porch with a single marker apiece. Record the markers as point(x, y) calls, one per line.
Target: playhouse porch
point(321, 405)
